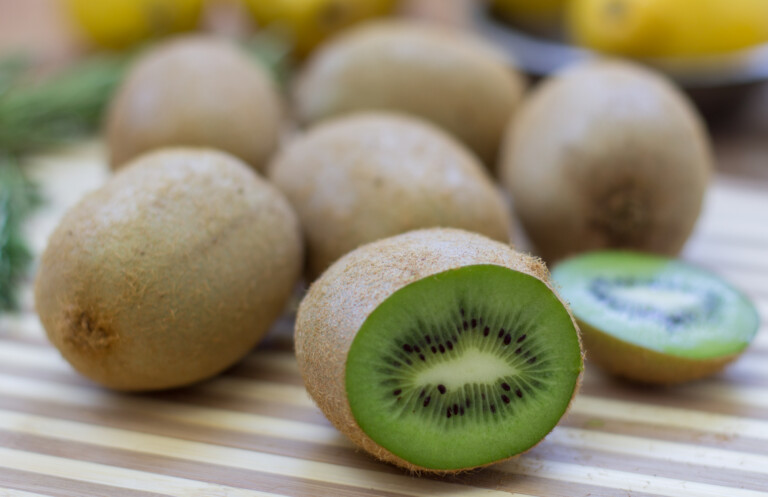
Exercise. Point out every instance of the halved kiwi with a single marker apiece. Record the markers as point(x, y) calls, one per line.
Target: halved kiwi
point(439, 350)
point(654, 319)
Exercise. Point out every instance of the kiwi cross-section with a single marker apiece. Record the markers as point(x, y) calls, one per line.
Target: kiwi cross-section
point(655, 319)
point(439, 350)
point(463, 368)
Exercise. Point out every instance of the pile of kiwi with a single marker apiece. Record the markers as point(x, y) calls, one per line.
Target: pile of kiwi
point(424, 336)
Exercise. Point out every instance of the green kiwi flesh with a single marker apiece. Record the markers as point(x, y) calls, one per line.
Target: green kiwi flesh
point(464, 368)
point(655, 319)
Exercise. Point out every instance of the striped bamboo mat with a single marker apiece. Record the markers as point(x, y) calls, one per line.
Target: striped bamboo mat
point(254, 432)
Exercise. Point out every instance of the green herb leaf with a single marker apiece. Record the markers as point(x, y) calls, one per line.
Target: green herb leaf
point(17, 198)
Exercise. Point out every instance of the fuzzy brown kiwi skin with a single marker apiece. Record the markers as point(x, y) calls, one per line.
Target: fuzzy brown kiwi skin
point(643, 365)
point(449, 78)
point(198, 91)
point(170, 272)
point(339, 302)
point(606, 154)
point(356, 179)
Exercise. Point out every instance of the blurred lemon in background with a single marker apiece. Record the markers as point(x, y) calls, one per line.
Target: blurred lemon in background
point(118, 24)
point(308, 22)
point(667, 28)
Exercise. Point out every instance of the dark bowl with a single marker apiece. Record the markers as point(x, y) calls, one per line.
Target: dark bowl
point(718, 85)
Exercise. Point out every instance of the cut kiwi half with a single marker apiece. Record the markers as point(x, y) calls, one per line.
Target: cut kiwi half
point(654, 319)
point(439, 350)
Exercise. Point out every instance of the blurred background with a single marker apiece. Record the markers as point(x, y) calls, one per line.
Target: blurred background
point(715, 50)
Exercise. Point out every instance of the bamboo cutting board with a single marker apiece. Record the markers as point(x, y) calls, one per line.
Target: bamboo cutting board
point(254, 432)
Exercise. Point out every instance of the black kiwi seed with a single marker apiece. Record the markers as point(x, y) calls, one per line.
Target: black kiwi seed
point(455, 408)
point(465, 325)
point(505, 399)
point(423, 393)
point(416, 349)
point(427, 338)
point(442, 349)
point(506, 387)
point(532, 360)
point(426, 401)
point(448, 412)
point(449, 344)
point(441, 389)
point(434, 349)
point(493, 408)
point(501, 332)
point(486, 331)
point(518, 350)
point(467, 402)
point(397, 392)
point(507, 339)
point(519, 393)
point(474, 323)
point(421, 356)
point(461, 311)
point(407, 348)
point(522, 337)
point(461, 411)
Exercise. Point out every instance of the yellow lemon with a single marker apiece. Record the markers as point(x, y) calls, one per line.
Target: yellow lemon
point(119, 24)
point(309, 22)
point(659, 28)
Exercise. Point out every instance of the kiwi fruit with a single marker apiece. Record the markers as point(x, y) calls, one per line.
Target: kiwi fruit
point(358, 178)
point(444, 76)
point(607, 155)
point(170, 272)
point(196, 91)
point(438, 350)
point(654, 319)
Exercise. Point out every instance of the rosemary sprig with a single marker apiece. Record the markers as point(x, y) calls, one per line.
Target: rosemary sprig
point(58, 109)
point(17, 198)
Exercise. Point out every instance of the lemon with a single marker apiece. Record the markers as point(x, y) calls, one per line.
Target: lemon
point(309, 22)
point(118, 24)
point(668, 28)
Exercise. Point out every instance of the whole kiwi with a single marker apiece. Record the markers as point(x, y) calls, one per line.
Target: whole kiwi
point(422, 310)
point(607, 155)
point(443, 76)
point(359, 178)
point(170, 272)
point(195, 91)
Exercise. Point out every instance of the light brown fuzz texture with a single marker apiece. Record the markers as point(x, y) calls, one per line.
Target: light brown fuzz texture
point(170, 272)
point(340, 301)
point(448, 77)
point(607, 155)
point(355, 179)
point(195, 91)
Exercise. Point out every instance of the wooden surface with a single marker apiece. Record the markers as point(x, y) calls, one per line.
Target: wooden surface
point(254, 432)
